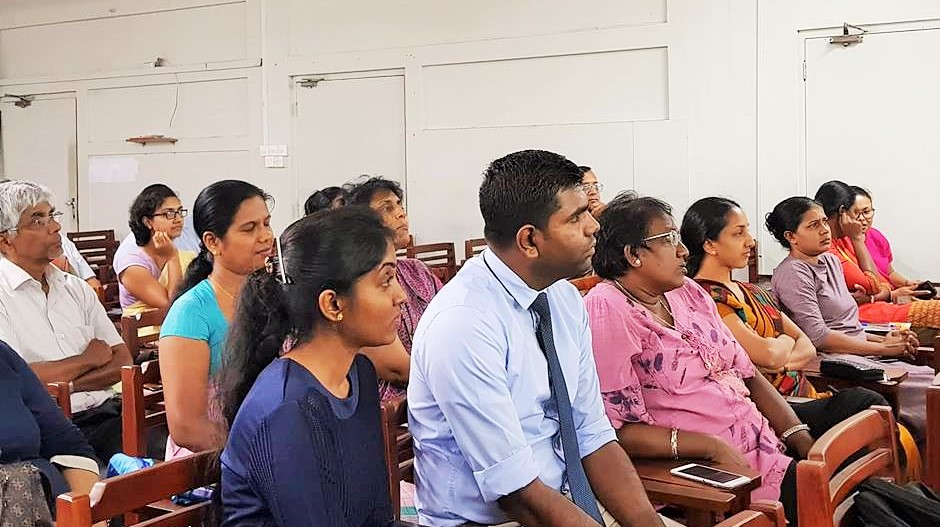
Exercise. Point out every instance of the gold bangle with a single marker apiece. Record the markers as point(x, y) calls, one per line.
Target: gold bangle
point(674, 443)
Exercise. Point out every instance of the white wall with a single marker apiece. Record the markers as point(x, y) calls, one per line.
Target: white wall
point(679, 99)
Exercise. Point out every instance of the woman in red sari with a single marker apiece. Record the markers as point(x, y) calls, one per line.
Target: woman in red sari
point(878, 301)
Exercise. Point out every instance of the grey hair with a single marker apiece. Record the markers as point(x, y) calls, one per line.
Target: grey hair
point(15, 197)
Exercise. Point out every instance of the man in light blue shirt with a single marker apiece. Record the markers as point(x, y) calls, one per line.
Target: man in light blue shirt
point(485, 423)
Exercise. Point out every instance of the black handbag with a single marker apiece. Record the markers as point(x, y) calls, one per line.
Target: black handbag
point(884, 504)
point(843, 368)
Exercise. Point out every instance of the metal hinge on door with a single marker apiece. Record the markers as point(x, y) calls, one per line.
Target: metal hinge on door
point(804, 70)
point(310, 82)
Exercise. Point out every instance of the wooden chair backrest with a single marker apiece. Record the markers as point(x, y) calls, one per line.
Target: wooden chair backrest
point(474, 247)
point(110, 292)
point(585, 283)
point(399, 456)
point(752, 265)
point(441, 258)
point(140, 411)
point(130, 329)
point(96, 247)
point(823, 494)
point(932, 475)
point(62, 395)
point(131, 492)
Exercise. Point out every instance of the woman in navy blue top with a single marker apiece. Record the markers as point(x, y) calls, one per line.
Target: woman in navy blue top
point(33, 429)
point(305, 441)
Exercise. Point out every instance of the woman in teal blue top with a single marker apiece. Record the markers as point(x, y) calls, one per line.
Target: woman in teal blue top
point(234, 224)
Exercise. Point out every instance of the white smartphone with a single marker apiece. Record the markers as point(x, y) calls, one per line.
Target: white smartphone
point(710, 476)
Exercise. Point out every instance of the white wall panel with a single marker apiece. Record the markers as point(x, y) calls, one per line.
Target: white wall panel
point(183, 36)
point(205, 109)
point(629, 85)
point(328, 26)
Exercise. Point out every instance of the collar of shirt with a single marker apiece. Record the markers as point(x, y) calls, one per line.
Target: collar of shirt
point(15, 276)
point(513, 283)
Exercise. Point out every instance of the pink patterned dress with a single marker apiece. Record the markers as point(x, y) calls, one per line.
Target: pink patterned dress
point(690, 377)
point(420, 286)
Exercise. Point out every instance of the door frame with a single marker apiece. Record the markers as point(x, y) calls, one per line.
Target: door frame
point(295, 86)
point(74, 196)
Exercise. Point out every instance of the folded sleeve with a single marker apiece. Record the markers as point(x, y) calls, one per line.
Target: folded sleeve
point(466, 374)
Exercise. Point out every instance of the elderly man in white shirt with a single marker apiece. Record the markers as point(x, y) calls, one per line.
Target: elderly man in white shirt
point(53, 319)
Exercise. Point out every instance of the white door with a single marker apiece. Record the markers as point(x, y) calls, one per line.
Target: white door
point(873, 119)
point(39, 145)
point(345, 126)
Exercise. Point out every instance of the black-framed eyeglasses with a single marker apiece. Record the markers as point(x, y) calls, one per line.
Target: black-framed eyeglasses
point(172, 214)
point(40, 221)
point(586, 187)
point(865, 214)
point(673, 236)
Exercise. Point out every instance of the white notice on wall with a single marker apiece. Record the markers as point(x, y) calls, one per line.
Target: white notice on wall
point(112, 169)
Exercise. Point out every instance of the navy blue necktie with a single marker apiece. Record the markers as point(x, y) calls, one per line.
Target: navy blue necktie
point(578, 484)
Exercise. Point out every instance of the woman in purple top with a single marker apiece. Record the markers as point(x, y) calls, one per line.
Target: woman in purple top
point(392, 362)
point(674, 380)
point(811, 288)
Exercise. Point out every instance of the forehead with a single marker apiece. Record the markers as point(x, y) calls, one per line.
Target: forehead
point(861, 201)
point(251, 209)
point(171, 202)
point(813, 214)
point(661, 223)
point(588, 177)
point(735, 218)
point(42, 207)
point(569, 201)
point(381, 196)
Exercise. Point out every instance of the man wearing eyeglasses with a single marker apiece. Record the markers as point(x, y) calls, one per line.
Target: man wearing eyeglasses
point(53, 319)
point(593, 189)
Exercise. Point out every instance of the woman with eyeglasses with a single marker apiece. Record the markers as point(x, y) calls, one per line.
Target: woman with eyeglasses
point(147, 263)
point(879, 301)
point(592, 187)
point(878, 246)
point(675, 382)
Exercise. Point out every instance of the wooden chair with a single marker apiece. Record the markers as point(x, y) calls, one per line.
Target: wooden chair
point(441, 258)
point(932, 472)
point(131, 494)
point(141, 406)
point(749, 518)
point(109, 294)
point(825, 495)
point(585, 283)
point(96, 247)
point(131, 326)
point(62, 395)
point(473, 247)
point(752, 266)
point(399, 455)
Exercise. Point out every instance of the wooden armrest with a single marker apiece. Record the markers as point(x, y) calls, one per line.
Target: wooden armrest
point(701, 499)
point(772, 509)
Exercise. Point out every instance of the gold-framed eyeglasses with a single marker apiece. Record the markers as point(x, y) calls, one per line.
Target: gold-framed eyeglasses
point(586, 187)
point(40, 221)
point(671, 235)
point(172, 214)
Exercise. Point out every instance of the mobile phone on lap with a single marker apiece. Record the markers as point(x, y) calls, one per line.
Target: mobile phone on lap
point(926, 285)
point(710, 476)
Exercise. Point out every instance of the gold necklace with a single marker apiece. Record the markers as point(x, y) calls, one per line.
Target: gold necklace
point(217, 284)
point(660, 302)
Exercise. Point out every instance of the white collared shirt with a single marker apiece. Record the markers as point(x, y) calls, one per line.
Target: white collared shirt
point(54, 327)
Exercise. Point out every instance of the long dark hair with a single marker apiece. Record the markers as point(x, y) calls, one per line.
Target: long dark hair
point(329, 249)
point(214, 211)
point(144, 206)
point(703, 221)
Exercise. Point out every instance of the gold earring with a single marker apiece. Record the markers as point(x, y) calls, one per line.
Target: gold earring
point(339, 317)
